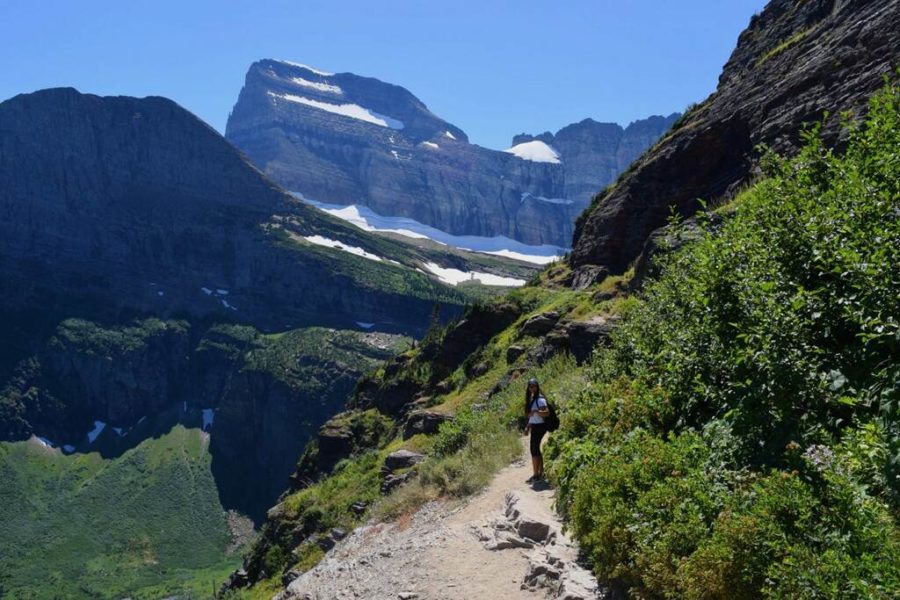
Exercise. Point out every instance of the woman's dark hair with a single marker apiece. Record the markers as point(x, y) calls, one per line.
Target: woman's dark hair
point(529, 398)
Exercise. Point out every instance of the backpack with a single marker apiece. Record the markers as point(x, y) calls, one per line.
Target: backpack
point(551, 420)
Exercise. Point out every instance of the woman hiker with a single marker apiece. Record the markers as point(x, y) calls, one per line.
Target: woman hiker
point(536, 410)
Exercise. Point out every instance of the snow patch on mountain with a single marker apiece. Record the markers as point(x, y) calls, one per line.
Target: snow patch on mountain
point(367, 219)
point(307, 67)
point(208, 416)
point(45, 442)
point(354, 111)
point(535, 151)
point(330, 243)
point(526, 196)
point(318, 86)
point(455, 276)
point(431, 145)
point(97, 430)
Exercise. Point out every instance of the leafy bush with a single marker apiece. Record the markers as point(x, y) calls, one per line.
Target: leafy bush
point(741, 435)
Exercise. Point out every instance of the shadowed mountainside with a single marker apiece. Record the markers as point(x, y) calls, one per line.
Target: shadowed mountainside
point(795, 61)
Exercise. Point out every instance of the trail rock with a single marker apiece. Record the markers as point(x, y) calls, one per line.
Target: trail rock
point(514, 529)
point(535, 530)
point(555, 569)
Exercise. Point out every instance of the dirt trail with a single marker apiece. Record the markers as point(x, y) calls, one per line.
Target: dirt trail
point(442, 552)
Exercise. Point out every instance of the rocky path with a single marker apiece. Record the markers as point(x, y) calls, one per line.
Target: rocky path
point(505, 543)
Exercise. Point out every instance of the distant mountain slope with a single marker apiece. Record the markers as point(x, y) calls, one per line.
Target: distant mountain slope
point(345, 139)
point(83, 527)
point(593, 154)
point(795, 61)
point(122, 205)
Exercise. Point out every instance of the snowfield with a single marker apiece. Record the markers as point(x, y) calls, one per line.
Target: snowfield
point(315, 85)
point(354, 111)
point(329, 243)
point(455, 276)
point(526, 196)
point(367, 219)
point(97, 430)
point(307, 67)
point(536, 151)
point(208, 416)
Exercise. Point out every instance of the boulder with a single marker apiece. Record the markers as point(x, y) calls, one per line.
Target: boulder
point(579, 338)
point(533, 529)
point(402, 459)
point(289, 577)
point(539, 324)
point(514, 352)
point(479, 369)
point(587, 275)
point(424, 421)
point(393, 481)
point(325, 543)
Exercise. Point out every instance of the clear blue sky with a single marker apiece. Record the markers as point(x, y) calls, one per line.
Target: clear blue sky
point(492, 67)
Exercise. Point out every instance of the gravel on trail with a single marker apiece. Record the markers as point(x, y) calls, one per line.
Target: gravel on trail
point(503, 543)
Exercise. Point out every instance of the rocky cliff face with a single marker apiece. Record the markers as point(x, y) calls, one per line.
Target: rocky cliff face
point(795, 61)
point(115, 206)
point(593, 154)
point(261, 398)
point(345, 139)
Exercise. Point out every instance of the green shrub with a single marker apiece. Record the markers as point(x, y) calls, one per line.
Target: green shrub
point(741, 435)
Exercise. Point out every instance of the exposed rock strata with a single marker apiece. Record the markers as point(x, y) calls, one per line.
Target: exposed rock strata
point(260, 416)
point(794, 62)
point(113, 206)
point(398, 158)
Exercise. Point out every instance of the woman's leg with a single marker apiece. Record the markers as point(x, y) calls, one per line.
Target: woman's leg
point(537, 459)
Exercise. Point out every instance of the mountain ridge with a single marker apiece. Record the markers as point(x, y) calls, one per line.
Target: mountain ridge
point(139, 206)
point(347, 139)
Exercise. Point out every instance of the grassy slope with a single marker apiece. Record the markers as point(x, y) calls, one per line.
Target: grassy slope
point(148, 523)
point(145, 525)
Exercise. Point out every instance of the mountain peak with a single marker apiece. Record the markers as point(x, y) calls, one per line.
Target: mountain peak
point(341, 138)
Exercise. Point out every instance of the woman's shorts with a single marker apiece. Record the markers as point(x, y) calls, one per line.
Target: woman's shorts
point(537, 433)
